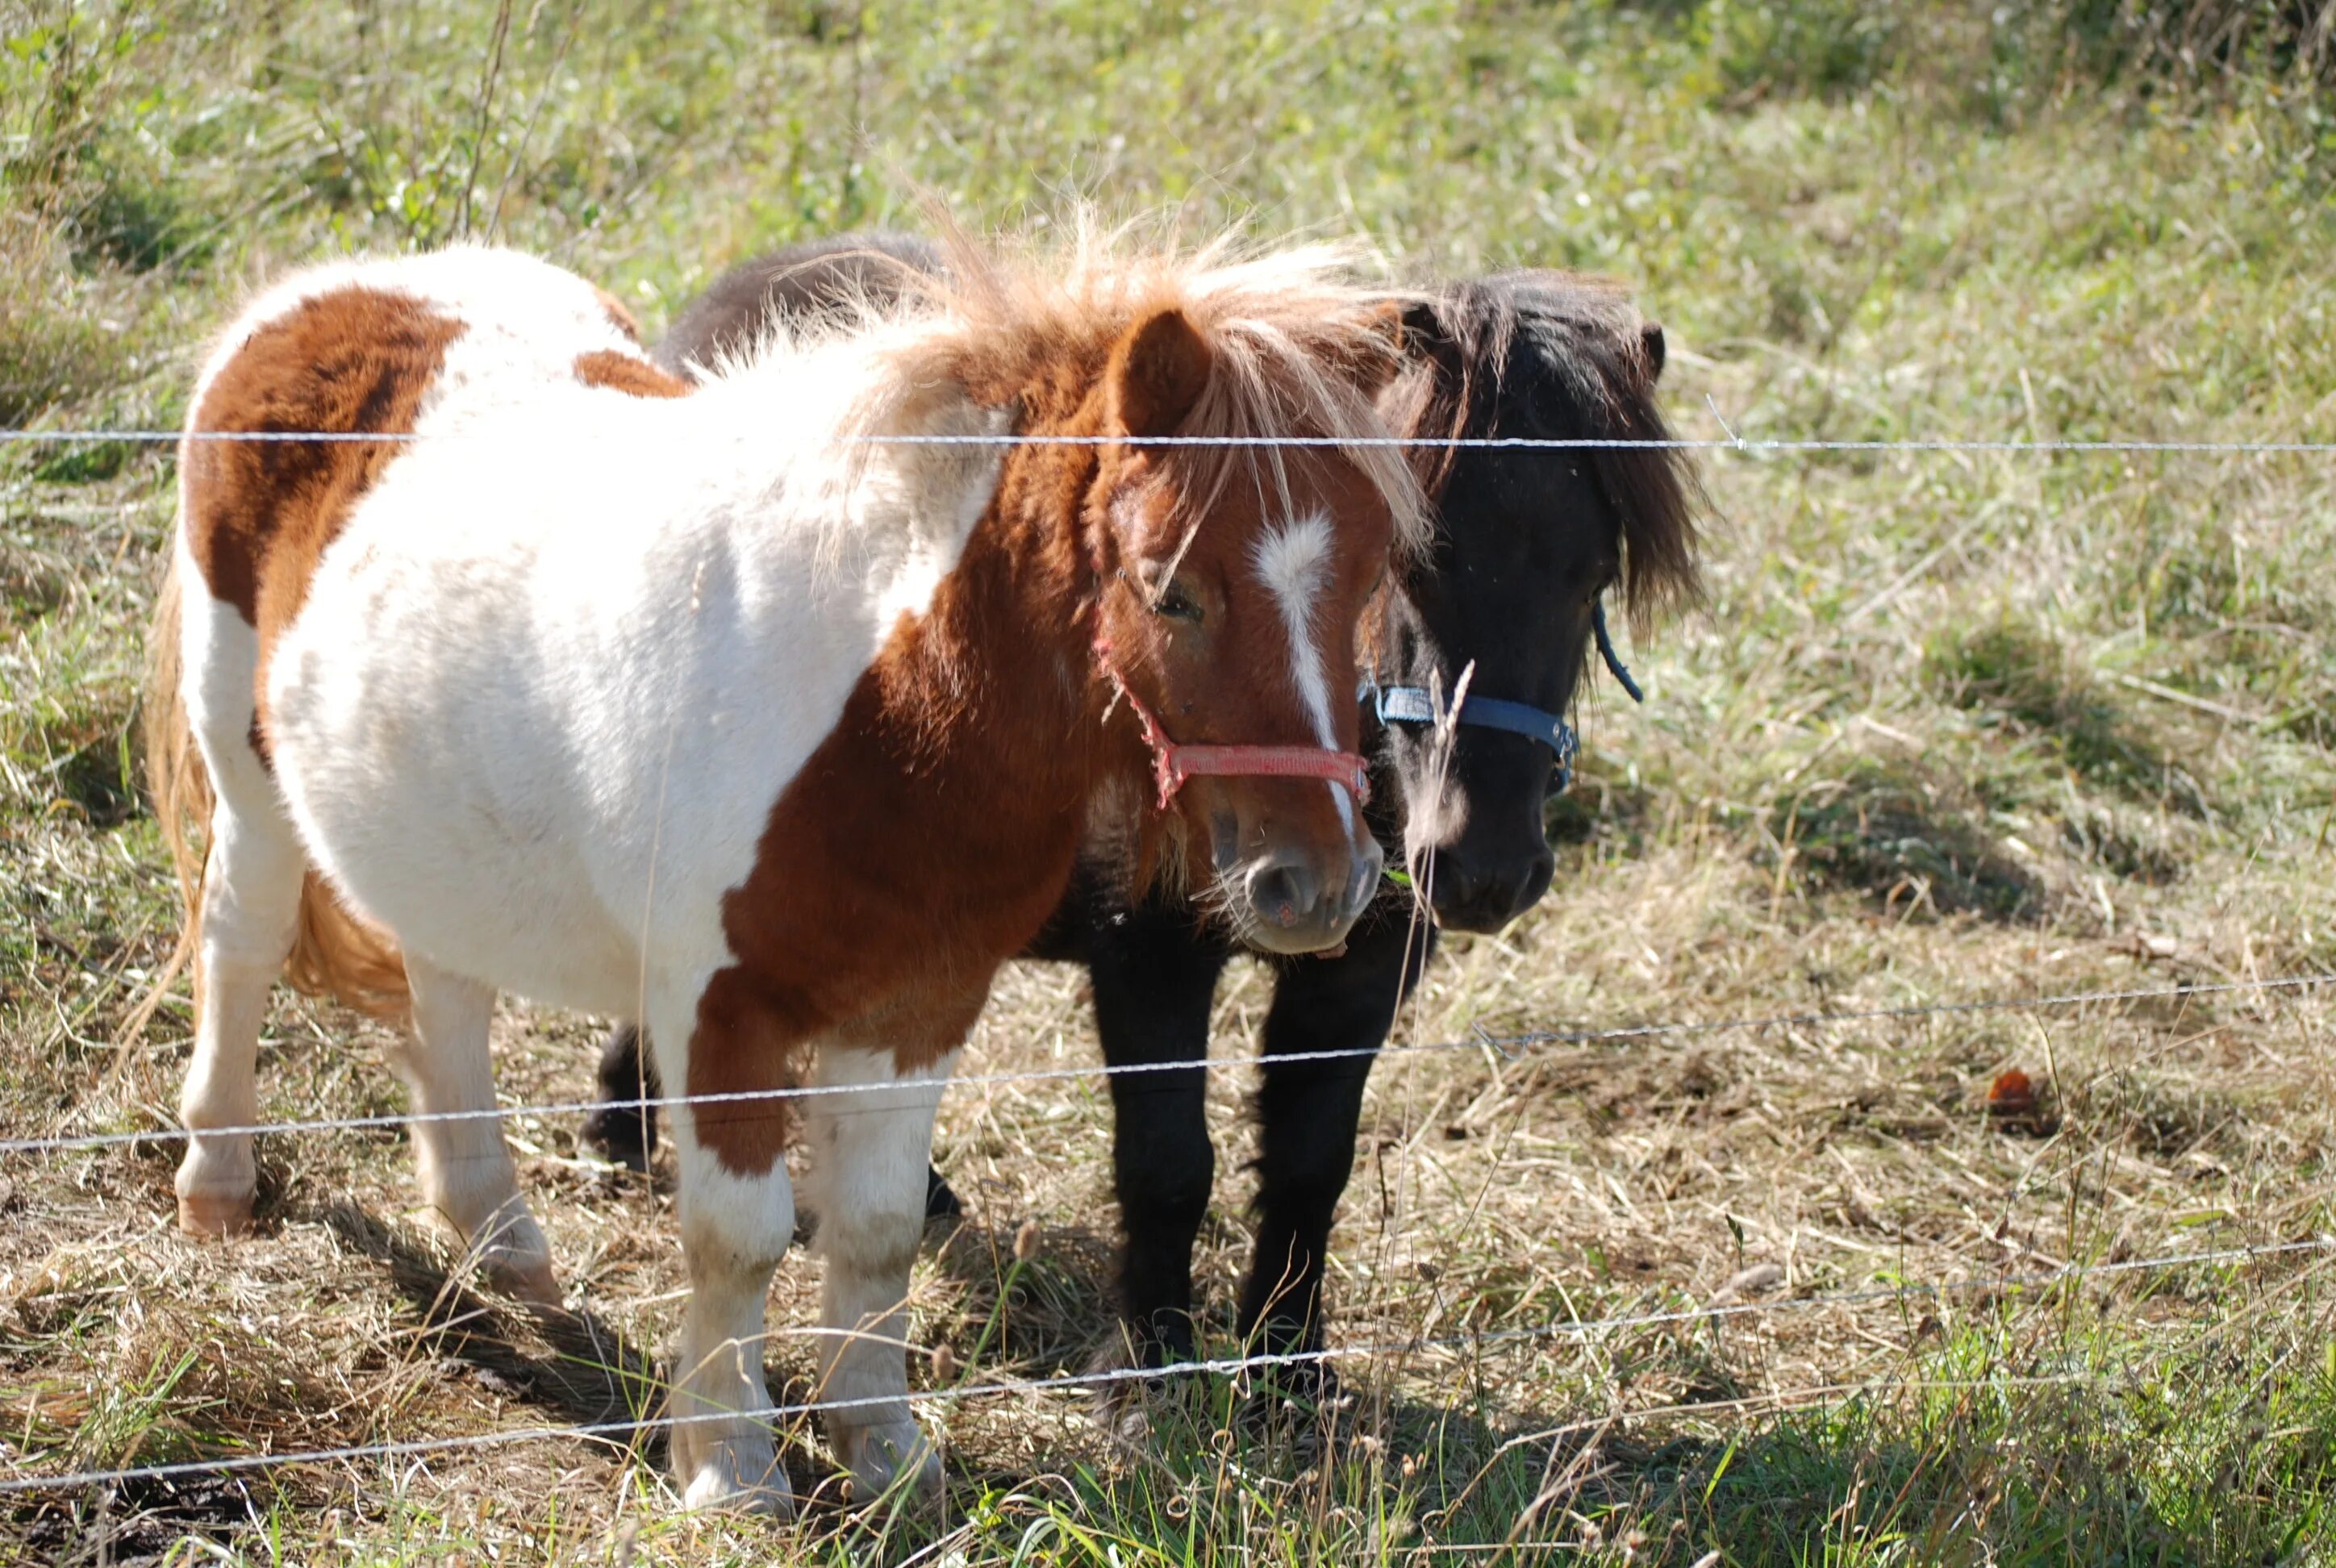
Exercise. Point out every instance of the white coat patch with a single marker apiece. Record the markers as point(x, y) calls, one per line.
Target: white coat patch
point(1294, 560)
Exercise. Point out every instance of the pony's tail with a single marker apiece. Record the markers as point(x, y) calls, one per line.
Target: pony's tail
point(334, 953)
point(180, 791)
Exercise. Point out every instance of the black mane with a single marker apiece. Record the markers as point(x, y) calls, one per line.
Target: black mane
point(1593, 361)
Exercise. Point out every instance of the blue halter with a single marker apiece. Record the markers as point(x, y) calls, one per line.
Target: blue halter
point(1417, 705)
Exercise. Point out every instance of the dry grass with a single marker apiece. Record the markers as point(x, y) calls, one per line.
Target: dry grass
point(1952, 726)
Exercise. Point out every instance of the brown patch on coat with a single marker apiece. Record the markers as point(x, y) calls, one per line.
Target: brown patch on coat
point(257, 516)
point(932, 833)
point(880, 848)
point(622, 319)
point(627, 373)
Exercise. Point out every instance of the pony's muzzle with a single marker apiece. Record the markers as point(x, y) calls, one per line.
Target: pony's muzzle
point(1295, 907)
point(1484, 895)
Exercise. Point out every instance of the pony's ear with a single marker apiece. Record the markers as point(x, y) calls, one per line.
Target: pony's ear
point(1650, 344)
point(1422, 327)
point(1157, 373)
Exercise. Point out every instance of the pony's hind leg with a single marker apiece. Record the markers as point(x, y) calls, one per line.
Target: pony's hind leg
point(464, 1167)
point(868, 1162)
point(249, 908)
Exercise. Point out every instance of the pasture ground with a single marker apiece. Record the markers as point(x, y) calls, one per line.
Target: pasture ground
point(1953, 726)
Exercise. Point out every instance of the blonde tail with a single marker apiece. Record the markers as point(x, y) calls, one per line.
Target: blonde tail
point(180, 791)
point(334, 953)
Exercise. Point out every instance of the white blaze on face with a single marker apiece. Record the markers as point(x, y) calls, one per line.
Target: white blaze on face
point(1294, 560)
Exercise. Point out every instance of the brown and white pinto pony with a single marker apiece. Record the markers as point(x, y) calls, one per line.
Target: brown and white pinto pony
point(749, 717)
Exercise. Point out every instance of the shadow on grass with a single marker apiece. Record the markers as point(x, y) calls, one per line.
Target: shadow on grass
point(568, 1363)
point(570, 1366)
point(2018, 679)
point(1895, 835)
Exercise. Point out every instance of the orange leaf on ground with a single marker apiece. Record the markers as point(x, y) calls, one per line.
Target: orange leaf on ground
point(2012, 1094)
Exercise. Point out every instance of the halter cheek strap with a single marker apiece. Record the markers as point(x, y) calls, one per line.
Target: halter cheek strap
point(1171, 764)
point(1417, 705)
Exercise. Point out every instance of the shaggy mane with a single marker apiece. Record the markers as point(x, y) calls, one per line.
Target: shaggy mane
point(1006, 315)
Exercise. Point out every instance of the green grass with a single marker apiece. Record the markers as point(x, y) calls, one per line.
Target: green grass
point(1952, 725)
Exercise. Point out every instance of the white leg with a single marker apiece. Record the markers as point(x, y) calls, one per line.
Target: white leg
point(250, 904)
point(736, 1227)
point(868, 1153)
point(464, 1166)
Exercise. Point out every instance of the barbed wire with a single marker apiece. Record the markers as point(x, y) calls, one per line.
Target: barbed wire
point(1502, 442)
point(1229, 1366)
point(1509, 1047)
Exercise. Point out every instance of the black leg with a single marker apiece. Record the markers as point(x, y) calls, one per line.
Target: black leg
point(624, 1134)
point(1308, 1113)
point(942, 1201)
point(1155, 973)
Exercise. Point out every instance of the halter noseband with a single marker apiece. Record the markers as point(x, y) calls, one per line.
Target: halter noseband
point(1417, 705)
point(1171, 764)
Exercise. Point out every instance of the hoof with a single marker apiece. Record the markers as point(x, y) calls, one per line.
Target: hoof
point(1124, 1416)
point(717, 1487)
point(1303, 1404)
point(507, 1251)
point(618, 1137)
point(215, 1213)
point(885, 1456)
point(1132, 1358)
point(529, 1280)
point(216, 1183)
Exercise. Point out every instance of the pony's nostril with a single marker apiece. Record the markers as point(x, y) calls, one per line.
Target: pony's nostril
point(1458, 887)
point(1537, 879)
point(1282, 894)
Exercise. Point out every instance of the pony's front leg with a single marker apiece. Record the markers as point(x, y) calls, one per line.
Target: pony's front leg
point(868, 1157)
point(1156, 977)
point(1308, 1113)
point(464, 1166)
point(737, 1218)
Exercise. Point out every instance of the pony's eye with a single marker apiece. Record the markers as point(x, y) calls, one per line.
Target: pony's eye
point(1177, 605)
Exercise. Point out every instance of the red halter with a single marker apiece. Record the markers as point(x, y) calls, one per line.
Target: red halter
point(1171, 764)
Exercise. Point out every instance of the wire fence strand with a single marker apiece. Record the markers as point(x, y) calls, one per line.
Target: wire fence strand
point(625, 1432)
point(1488, 443)
point(1509, 1047)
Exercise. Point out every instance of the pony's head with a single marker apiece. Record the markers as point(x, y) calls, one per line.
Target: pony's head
point(1226, 624)
point(1526, 543)
point(1226, 575)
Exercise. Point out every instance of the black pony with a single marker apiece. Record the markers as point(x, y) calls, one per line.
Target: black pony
point(1510, 600)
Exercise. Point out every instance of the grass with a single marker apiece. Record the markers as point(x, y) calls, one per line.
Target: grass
point(1951, 726)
